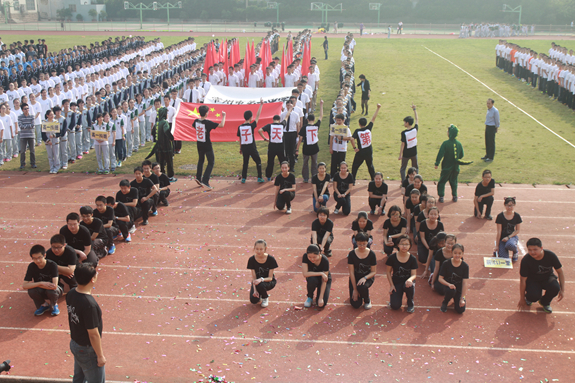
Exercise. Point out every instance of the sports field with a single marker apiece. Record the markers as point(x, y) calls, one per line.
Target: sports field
point(402, 71)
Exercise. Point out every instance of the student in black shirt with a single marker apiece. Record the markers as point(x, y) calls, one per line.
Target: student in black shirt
point(508, 228)
point(536, 273)
point(203, 128)
point(146, 190)
point(427, 230)
point(364, 151)
point(362, 225)
point(393, 228)
point(79, 238)
point(65, 257)
point(484, 192)
point(41, 281)
point(377, 190)
point(408, 150)
point(309, 138)
point(123, 218)
point(343, 182)
point(441, 255)
point(148, 174)
point(276, 147)
point(248, 146)
point(97, 231)
point(365, 93)
point(85, 320)
point(417, 184)
point(165, 183)
point(362, 265)
point(411, 173)
point(322, 231)
point(128, 195)
point(262, 266)
point(403, 265)
point(315, 269)
point(106, 215)
point(410, 206)
point(454, 274)
point(285, 188)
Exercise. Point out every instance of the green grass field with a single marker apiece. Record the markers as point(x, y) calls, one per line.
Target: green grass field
point(404, 71)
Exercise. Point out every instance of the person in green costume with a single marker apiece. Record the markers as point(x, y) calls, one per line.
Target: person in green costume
point(451, 151)
point(163, 147)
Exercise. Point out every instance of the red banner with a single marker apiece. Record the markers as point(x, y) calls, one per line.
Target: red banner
point(188, 112)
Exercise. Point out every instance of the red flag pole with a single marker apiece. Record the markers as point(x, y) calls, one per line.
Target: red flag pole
point(247, 65)
point(283, 65)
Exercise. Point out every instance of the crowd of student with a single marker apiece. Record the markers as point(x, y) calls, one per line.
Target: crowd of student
point(495, 30)
point(552, 74)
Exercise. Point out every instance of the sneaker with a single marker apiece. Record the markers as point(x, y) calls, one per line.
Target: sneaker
point(79, 157)
point(55, 311)
point(132, 229)
point(515, 257)
point(199, 183)
point(165, 202)
point(488, 159)
point(72, 161)
point(372, 212)
point(41, 310)
point(261, 180)
point(305, 181)
point(308, 302)
point(484, 158)
point(288, 211)
point(119, 164)
point(145, 222)
point(155, 213)
point(243, 180)
point(207, 186)
point(112, 249)
point(443, 307)
point(440, 200)
point(528, 303)
point(489, 218)
point(65, 167)
point(142, 145)
point(367, 306)
point(410, 309)
point(336, 211)
point(454, 199)
point(98, 172)
point(328, 254)
point(86, 152)
point(15, 156)
point(34, 166)
point(547, 308)
point(430, 279)
point(21, 167)
point(106, 172)
point(112, 170)
point(172, 179)
point(128, 238)
point(265, 302)
point(269, 178)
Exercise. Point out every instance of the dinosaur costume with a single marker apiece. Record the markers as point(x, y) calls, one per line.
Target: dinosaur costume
point(163, 147)
point(452, 153)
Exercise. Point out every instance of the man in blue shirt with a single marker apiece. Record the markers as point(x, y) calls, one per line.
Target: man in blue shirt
point(491, 127)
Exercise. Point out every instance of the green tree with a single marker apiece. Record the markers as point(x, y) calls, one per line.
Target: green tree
point(93, 14)
point(103, 15)
point(64, 13)
point(79, 17)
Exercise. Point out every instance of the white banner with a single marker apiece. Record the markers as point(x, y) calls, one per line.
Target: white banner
point(242, 96)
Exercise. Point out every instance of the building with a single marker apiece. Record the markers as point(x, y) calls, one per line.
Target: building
point(48, 8)
point(22, 11)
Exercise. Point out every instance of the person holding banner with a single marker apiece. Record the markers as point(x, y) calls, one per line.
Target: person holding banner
point(339, 135)
point(99, 133)
point(364, 140)
point(51, 137)
point(203, 128)
point(248, 146)
point(454, 274)
point(310, 138)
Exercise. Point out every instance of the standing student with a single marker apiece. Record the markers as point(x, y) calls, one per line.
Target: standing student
point(325, 46)
point(52, 141)
point(508, 226)
point(262, 266)
point(394, 227)
point(362, 225)
point(377, 190)
point(364, 144)
point(451, 151)
point(441, 255)
point(408, 149)
point(41, 281)
point(27, 136)
point(491, 127)
point(276, 147)
point(484, 192)
point(65, 257)
point(79, 238)
point(536, 275)
point(102, 146)
point(294, 118)
point(203, 128)
point(427, 230)
point(322, 231)
point(403, 265)
point(343, 182)
point(285, 189)
point(320, 187)
point(454, 274)
point(365, 94)
point(248, 146)
point(163, 146)
point(338, 143)
point(362, 265)
point(85, 320)
point(309, 136)
point(315, 269)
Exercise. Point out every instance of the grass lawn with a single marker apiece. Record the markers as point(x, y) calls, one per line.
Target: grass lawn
point(402, 72)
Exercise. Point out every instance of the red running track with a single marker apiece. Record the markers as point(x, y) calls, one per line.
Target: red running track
point(176, 309)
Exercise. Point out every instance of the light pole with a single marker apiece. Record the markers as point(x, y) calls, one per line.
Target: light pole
point(507, 8)
point(276, 6)
point(375, 7)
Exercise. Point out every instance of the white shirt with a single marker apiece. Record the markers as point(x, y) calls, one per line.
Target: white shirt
point(340, 145)
point(233, 81)
point(37, 108)
point(45, 105)
point(290, 80)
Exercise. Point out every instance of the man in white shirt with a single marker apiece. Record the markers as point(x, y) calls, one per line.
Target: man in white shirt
point(233, 80)
point(270, 80)
point(12, 94)
point(290, 77)
point(36, 111)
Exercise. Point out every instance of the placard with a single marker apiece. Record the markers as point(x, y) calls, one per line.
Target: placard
point(497, 263)
point(338, 130)
point(51, 127)
point(99, 135)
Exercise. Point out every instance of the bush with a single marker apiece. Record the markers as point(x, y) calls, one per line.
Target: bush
point(79, 17)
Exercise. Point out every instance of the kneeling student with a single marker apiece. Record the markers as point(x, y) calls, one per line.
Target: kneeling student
point(403, 265)
point(362, 265)
point(165, 183)
point(41, 281)
point(101, 244)
point(453, 275)
point(124, 219)
point(65, 257)
point(315, 269)
point(262, 266)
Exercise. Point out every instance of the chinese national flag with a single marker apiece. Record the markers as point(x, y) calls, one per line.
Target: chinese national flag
point(188, 112)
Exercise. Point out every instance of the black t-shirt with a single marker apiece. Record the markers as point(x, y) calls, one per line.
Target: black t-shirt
point(401, 270)
point(405, 183)
point(379, 191)
point(105, 217)
point(368, 227)
point(481, 190)
point(409, 206)
point(322, 267)
point(416, 210)
point(507, 226)
point(393, 230)
point(361, 267)
point(203, 129)
point(541, 270)
point(68, 257)
point(454, 275)
point(364, 144)
point(154, 178)
point(421, 215)
point(121, 210)
point(127, 198)
point(284, 182)
point(440, 257)
point(411, 152)
point(144, 188)
point(313, 130)
point(422, 189)
point(78, 241)
point(262, 269)
point(36, 274)
point(251, 126)
point(83, 314)
point(96, 227)
point(319, 184)
point(429, 234)
point(275, 136)
point(164, 180)
point(343, 183)
point(321, 230)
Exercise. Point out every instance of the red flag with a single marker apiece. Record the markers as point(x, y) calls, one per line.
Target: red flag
point(207, 60)
point(283, 69)
point(305, 60)
point(247, 65)
point(233, 55)
point(224, 55)
point(214, 55)
point(188, 113)
point(238, 55)
point(252, 54)
point(290, 52)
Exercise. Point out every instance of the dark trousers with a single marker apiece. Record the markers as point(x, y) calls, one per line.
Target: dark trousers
point(336, 159)
point(326, 249)
point(92, 257)
point(454, 294)
point(177, 146)
point(490, 131)
point(363, 291)
point(40, 295)
point(163, 195)
point(205, 179)
point(396, 298)
point(404, 162)
point(29, 142)
point(313, 284)
point(343, 203)
point(325, 51)
point(422, 252)
point(374, 203)
point(251, 151)
point(290, 139)
point(125, 227)
point(487, 202)
point(145, 208)
point(262, 289)
point(284, 199)
point(274, 150)
point(438, 287)
point(361, 156)
point(70, 281)
point(120, 150)
point(99, 247)
point(534, 80)
point(534, 290)
point(166, 160)
point(112, 231)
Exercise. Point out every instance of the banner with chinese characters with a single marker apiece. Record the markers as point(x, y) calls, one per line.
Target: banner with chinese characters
point(51, 127)
point(243, 96)
point(497, 263)
point(183, 130)
point(101, 135)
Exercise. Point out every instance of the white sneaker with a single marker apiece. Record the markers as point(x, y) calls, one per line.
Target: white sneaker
point(367, 306)
point(265, 302)
point(132, 229)
point(288, 211)
point(336, 211)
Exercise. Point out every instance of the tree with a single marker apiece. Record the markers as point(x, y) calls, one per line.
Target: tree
point(93, 14)
point(64, 13)
point(103, 15)
point(204, 15)
point(79, 17)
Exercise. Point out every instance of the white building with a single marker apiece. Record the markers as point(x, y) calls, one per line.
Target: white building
point(48, 8)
